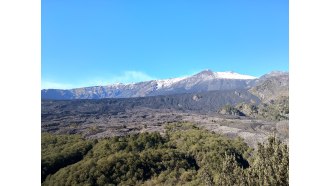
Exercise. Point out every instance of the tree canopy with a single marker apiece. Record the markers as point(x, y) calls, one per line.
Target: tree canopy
point(185, 155)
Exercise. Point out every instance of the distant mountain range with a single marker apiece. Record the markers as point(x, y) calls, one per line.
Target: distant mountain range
point(204, 81)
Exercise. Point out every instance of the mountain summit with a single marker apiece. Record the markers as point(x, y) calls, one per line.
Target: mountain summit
point(206, 80)
point(223, 75)
point(206, 72)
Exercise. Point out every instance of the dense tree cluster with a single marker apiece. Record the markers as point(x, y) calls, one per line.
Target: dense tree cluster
point(58, 151)
point(185, 155)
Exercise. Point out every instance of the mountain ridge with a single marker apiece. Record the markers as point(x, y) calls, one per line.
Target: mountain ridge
point(205, 80)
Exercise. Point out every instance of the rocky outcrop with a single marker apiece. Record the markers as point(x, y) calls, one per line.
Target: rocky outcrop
point(272, 86)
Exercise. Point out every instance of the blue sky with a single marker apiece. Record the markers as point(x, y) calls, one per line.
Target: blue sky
point(86, 43)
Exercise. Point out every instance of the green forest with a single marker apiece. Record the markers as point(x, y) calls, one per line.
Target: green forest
point(184, 155)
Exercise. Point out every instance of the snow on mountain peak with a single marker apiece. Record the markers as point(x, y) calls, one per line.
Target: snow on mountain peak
point(203, 75)
point(232, 75)
point(163, 83)
point(209, 74)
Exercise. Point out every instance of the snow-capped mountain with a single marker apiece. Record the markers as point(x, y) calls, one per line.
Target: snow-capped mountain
point(165, 83)
point(206, 80)
point(206, 75)
point(232, 75)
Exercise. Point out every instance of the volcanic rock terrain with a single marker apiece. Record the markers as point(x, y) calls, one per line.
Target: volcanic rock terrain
point(99, 118)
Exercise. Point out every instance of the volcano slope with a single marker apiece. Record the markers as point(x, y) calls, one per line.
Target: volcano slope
point(102, 118)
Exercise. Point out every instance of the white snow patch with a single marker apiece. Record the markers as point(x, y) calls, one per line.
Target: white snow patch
point(232, 75)
point(163, 83)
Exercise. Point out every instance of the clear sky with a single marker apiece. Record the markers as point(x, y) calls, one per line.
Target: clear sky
point(97, 42)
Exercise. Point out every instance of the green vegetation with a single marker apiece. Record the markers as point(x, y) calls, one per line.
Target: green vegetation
point(186, 155)
point(275, 110)
point(58, 151)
